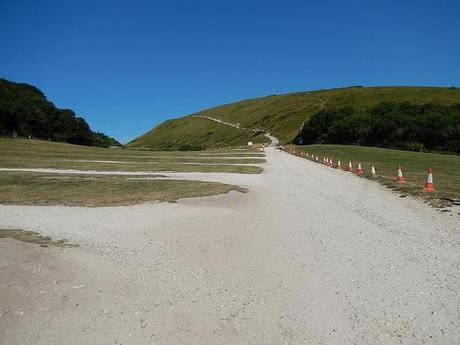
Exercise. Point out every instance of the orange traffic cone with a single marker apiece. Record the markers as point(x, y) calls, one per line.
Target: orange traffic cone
point(331, 163)
point(373, 173)
point(360, 170)
point(399, 176)
point(339, 165)
point(350, 167)
point(429, 185)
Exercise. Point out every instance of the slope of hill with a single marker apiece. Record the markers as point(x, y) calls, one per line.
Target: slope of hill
point(194, 133)
point(284, 115)
point(25, 111)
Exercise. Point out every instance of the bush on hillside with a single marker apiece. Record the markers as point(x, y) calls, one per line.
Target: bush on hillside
point(102, 140)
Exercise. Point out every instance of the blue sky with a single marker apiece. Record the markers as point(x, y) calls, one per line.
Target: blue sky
point(126, 66)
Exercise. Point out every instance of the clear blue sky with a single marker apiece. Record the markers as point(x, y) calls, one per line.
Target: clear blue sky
point(125, 66)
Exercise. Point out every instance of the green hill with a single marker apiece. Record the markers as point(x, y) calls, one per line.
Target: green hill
point(282, 115)
point(25, 111)
point(192, 133)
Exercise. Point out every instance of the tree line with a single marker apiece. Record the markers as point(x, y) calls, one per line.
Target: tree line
point(407, 126)
point(25, 111)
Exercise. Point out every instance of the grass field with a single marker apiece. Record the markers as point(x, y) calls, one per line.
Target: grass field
point(75, 190)
point(283, 115)
point(446, 168)
point(24, 153)
point(32, 188)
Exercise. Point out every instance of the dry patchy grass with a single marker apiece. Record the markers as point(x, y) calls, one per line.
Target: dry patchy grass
point(74, 190)
point(23, 153)
point(33, 237)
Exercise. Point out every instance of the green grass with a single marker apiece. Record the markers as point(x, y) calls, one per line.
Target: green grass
point(283, 115)
point(446, 168)
point(195, 132)
point(43, 148)
point(32, 188)
point(141, 167)
point(24, 153)
point(80, 190)
point(33, 237)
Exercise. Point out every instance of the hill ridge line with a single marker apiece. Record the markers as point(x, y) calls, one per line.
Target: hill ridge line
point(283, 115)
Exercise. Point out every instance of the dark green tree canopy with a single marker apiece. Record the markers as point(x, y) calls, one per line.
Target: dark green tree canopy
point(24, 110)
point(416, 127)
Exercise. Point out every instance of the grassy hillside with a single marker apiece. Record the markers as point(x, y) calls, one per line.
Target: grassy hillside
point(283, 115)
point(192, 133)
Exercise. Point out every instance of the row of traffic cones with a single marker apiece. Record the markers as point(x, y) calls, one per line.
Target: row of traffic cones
point(429, 185)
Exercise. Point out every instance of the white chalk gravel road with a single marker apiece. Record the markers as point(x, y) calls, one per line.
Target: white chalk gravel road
point(309, 255)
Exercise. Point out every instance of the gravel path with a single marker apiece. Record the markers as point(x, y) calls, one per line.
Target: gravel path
point(309, 256)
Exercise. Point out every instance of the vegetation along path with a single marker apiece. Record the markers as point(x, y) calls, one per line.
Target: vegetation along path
point(308, 255)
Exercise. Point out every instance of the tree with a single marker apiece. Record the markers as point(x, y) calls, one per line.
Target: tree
point(25, 110)
point(398, 125)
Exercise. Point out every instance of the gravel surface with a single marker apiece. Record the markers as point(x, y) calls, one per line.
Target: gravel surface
point(310, 255)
